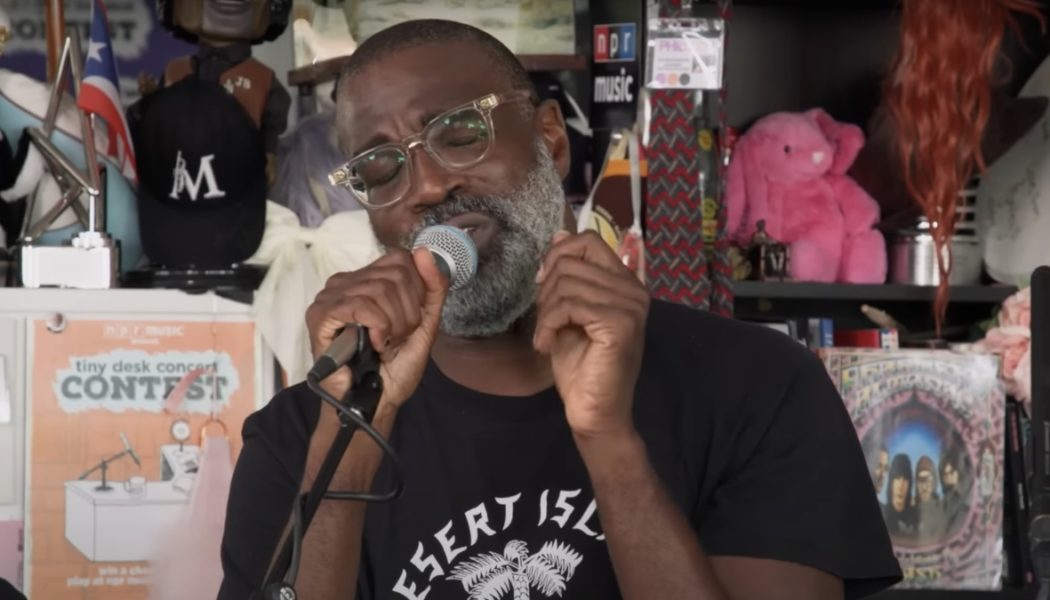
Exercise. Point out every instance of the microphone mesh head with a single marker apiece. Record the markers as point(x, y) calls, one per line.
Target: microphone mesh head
point(455, 248)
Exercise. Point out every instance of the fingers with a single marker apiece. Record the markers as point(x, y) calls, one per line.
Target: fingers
point(382, 325)
point(586, 246)
point(589, 259)
point(434, 281)
point(561, 313)
point(337, 310)
point(609, 304)
point(387, 297)
point(603, 322)
point(570, 271)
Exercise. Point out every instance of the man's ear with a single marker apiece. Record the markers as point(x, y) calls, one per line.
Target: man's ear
point(551, 125)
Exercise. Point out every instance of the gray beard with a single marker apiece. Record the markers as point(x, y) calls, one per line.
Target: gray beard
point(504, 287)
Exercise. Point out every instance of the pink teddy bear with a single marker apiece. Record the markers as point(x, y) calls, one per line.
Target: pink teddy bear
point(789, 170)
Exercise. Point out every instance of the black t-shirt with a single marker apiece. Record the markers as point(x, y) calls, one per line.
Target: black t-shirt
point(9, 592)
point(741, 423)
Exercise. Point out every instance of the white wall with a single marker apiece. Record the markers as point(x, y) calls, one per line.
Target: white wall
point(279, 56)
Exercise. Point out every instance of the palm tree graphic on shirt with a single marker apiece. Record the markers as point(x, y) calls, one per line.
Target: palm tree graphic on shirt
point(491, 575)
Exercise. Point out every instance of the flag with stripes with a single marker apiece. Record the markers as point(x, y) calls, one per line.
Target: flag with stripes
point(100, 93)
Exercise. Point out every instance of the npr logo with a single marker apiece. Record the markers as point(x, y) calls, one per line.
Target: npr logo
point(614, 43)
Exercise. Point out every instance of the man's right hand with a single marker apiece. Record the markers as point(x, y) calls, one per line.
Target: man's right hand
point(399, 298)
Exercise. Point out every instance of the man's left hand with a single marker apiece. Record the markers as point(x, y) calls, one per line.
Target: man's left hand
point(591, 320)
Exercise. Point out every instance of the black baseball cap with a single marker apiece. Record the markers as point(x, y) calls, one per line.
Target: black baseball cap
point(202, 177)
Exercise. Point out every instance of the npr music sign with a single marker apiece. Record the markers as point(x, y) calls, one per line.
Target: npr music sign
point(615, 43)
point(615, 67)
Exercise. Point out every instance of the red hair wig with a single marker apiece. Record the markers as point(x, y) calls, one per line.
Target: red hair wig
point(939, 96)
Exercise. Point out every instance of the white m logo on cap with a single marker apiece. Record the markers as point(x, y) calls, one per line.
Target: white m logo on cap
point(183, 180)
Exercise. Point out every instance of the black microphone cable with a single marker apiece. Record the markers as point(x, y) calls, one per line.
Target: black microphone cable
point(358, 419)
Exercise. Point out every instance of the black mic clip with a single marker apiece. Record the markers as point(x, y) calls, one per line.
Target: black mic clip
point(366, 387)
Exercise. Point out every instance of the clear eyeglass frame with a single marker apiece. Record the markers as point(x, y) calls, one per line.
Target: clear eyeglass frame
point(346, 177)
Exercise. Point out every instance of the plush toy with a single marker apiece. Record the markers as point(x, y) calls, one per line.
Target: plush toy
point(789, 170)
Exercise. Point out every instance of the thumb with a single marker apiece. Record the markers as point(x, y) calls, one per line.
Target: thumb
point(434, 281)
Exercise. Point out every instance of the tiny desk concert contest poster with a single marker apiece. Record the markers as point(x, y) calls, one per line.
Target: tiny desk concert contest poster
point(931, 423)
point(121, 413)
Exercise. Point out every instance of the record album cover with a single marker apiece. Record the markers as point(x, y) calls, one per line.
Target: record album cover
point(931, 423)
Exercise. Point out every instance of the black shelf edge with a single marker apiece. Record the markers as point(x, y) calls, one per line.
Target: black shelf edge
point(890, 292)
point(824, 4)
point(1003, 594)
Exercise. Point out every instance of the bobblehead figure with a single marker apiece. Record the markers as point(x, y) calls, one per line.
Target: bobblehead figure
point(224, 32)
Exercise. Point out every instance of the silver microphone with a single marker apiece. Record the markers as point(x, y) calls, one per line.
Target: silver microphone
point(456, 257)
point(128, 449)
point(453, 251)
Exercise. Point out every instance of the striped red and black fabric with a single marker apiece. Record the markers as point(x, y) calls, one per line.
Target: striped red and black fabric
point(676, 267)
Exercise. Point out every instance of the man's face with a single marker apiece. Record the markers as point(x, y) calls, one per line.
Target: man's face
point(511, 203)
point(899, 493)
point(924, 484)
point(881, 468)
point(949, 477)
point(223, 20)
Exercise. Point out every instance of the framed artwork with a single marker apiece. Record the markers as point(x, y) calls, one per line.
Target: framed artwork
point(524, 26)
point(931, 423)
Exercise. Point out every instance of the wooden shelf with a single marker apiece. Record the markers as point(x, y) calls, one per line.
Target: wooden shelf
point(553, 62)
point(318, 72)
point(980, 294)
point(328, 70)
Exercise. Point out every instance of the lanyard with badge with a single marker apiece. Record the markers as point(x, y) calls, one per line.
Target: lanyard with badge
point(686, 253)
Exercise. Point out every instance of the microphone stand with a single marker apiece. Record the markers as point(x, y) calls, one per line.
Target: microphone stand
point(104, 465)
point(355, 411)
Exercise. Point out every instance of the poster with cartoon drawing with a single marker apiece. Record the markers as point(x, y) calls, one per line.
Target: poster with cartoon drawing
point(115, 423)
point(931, 425)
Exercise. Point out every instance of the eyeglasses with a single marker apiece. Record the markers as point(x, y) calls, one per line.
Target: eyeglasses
point(456, 139)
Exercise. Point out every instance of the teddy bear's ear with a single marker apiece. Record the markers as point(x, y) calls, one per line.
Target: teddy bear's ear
point(736, 189)
point(847, 138)
point(746, 190)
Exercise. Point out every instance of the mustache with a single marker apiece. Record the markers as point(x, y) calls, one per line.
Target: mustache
point(497, 208)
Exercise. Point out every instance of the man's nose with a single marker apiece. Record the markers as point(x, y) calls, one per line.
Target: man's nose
point(432, 183)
